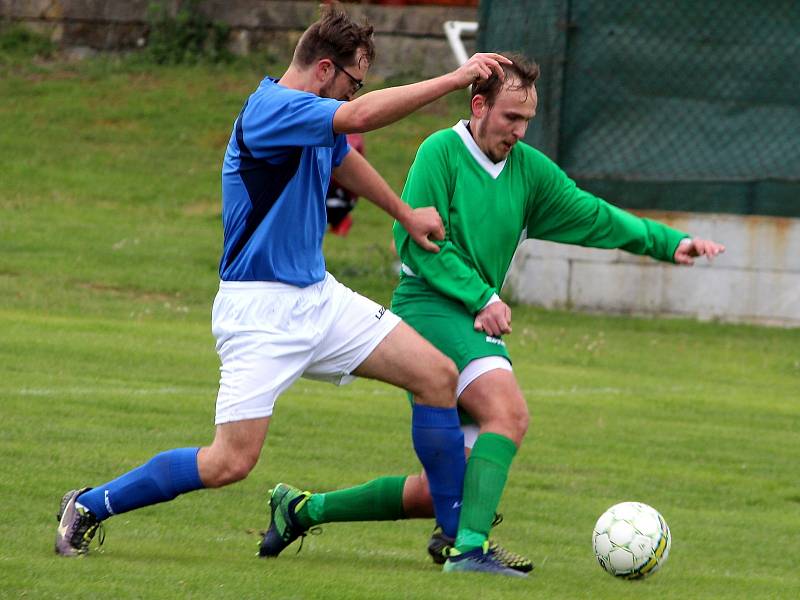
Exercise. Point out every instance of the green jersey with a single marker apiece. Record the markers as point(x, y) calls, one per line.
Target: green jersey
point(489, 208)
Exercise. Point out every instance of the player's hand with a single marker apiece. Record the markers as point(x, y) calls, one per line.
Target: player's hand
point(691, 248)
point(480, 66)
point(423, 225)
point(494, 319)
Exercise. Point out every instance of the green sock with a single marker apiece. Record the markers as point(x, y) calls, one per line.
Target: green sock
point(487, 471)
point(377, 500)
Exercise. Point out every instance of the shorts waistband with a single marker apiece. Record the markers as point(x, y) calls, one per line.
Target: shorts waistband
point(265, 286)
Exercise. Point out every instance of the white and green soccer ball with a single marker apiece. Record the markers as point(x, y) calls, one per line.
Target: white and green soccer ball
point(631, 540)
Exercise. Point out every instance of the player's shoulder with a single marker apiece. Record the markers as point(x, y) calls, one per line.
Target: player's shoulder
point(533, 161)
point(440, 138)
point(271, 92)
point(439, 143)
point(526, 152)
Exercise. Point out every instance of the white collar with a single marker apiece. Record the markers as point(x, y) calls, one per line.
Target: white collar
point(493, 169)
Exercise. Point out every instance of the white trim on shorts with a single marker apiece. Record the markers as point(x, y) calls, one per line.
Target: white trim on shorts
point(471, 432)
point(470, 373)
point(478, 367)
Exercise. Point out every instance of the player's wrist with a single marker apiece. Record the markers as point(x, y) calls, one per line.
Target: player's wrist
point(492, 299)
point(453, 81)
point(403, 213)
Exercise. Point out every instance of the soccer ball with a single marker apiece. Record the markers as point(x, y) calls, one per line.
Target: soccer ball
point(631, 540)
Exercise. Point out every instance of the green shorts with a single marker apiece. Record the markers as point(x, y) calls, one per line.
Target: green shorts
point(446, 324)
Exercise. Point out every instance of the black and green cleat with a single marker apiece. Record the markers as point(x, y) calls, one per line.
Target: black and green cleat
point(284, 528)
point(483, 559)
point(440, 546)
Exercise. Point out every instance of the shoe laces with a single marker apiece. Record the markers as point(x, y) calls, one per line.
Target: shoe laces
point(84, 528)
point(293, 523)
point(315, 530)
point(507, 557)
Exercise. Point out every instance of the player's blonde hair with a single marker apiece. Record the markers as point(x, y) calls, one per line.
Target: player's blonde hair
point(520, 74)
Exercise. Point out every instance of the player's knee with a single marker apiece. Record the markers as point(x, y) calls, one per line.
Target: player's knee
point(241, 468)
point(512, 421)
point(229, 469)
point(445, 377)
point(522, 418)
point(417, 499)
point(440, 386)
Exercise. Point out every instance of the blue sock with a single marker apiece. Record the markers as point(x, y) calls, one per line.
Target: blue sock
point(160, 479)
point(439, 443)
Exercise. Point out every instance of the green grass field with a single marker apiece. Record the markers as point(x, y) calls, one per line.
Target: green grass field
point(110, 236)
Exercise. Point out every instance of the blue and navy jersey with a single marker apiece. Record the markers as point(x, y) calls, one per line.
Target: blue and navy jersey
point(274, 178)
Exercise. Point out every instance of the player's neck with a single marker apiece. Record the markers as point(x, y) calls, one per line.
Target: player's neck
point(301, 80)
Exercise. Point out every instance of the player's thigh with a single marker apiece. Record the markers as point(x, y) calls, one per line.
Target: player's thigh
point(495, 401)
point(362, 338)
point(405, 359)
point(350, 327)
point(264, 342)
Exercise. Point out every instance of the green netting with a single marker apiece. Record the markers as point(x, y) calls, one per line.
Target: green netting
point(683, 105)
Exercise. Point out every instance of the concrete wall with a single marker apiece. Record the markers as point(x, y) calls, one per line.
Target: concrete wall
point(757, 280)
point(409, 39)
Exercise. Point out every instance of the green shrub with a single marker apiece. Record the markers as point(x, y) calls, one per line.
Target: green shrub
point(188, 37)
point(18, 41)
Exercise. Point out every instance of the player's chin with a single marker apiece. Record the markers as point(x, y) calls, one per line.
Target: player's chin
point(504, 150)
point(498, 155)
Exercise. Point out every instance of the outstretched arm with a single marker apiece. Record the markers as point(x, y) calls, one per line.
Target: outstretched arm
point(562, 212)
point(383, 107)
point(361, 178)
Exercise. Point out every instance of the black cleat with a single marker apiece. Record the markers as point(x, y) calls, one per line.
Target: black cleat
point(77, 526)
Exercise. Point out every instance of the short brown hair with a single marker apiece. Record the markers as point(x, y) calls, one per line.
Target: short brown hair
point(521, 74)
point(335, 36)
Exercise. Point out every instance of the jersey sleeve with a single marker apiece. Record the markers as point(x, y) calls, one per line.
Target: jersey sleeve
point(562, 212)
point(449, 271)
point(282, 118)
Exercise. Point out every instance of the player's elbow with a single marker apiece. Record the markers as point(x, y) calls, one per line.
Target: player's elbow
point(352, 118)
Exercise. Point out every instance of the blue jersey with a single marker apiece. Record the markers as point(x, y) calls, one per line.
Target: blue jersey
point(274, 178)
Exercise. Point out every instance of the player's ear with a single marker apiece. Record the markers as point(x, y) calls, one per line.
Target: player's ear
point(324, 70)
point(478, 105)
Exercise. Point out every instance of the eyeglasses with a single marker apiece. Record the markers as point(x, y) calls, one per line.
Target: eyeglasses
point(357, 83)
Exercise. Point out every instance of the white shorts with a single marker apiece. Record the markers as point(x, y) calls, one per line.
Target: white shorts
point(269, 334)
point(470, 373)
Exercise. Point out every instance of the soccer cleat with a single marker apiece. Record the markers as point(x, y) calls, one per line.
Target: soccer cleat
point(512, 560)
point(483, 559)
point(440, 545)
point(284, 502)
point(77, 526)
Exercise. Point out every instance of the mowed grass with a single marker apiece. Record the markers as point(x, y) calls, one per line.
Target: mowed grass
point(110, 235)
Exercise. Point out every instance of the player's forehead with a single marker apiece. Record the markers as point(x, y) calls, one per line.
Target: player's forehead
point(517, 99)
